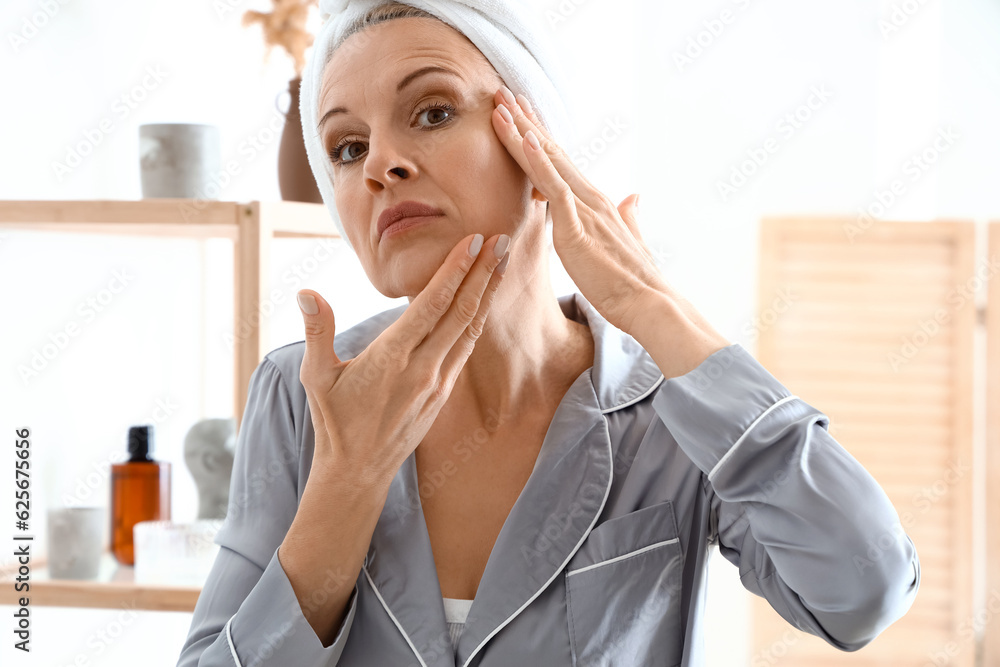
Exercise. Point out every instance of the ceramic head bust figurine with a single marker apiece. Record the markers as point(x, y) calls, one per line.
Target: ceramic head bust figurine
point(208, 453)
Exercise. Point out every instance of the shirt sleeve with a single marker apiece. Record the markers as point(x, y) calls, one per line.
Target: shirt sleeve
point(809, 528)
point(247, 613)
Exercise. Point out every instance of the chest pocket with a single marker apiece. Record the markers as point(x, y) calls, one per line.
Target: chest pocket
point(623, 592)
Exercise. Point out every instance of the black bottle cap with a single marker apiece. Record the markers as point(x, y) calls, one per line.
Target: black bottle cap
point(140, 443)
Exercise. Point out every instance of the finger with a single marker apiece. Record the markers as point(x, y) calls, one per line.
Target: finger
point(455, 325)
point(628, 214)
point(427, 309)
point(628, 210)
point(540, 170)
point(319, 361)
point(456, 357)
point(559, 160)
point(316, 373)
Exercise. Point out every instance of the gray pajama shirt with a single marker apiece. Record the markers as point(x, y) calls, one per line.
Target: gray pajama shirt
point(602, 559)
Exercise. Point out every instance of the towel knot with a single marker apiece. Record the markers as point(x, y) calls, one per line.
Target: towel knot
point(328, 8)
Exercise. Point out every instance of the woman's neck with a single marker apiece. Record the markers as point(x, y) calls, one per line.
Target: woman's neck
point(528, 351)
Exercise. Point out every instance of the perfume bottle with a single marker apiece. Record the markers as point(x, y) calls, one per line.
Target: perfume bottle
point(140, 491)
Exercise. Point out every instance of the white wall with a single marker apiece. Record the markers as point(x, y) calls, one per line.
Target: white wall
point(671, 132)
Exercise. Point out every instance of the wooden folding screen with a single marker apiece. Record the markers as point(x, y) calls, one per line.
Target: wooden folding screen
point(991, 613)
point(870, 325)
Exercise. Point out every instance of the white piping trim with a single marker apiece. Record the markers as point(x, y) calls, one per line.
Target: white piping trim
point(398, 626)
point(736, 444)
point(623, 556)
point(232, 649)
point(636, 399)
point(607, 492)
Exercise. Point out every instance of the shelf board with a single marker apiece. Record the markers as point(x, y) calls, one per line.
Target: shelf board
point(113, 588)
point(190, 218)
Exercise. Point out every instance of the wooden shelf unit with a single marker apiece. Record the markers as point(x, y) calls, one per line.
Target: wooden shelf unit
point(113, 588)
point(250, 225)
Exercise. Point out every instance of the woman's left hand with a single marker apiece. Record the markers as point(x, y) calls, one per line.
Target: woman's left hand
point(599, 244)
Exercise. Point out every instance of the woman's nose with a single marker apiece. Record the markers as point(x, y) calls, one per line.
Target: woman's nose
point(386, 163)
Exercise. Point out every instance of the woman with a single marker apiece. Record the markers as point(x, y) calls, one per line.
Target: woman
point(493, 476)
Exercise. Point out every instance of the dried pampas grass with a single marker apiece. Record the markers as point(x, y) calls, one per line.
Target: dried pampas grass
point(285, 27)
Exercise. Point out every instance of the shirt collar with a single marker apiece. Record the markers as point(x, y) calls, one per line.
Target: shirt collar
point(567, 490)
point(622, 372)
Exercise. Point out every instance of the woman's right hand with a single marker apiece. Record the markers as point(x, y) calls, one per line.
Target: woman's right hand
point(369, 413)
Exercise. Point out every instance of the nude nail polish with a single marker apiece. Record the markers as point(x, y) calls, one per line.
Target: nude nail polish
point(501, 247)
point(525, 104)
point(508, 96)
point(502, 266)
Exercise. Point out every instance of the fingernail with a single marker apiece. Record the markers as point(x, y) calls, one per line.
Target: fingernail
point(637, 200)
point(532, 140)
point(505, 113)
point(508, 96)
point(502, 266)
point(476, 245)
point(525, 104)
point(501, 247)
point(307, 302)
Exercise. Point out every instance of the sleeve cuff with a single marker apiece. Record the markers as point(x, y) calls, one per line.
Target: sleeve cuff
point(269, 627)
point(711, 409)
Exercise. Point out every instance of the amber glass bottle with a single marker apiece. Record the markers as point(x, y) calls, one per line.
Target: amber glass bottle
point(140, 491)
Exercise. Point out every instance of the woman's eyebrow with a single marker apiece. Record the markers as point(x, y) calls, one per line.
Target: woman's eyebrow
point(406, 80)
point(420, 72)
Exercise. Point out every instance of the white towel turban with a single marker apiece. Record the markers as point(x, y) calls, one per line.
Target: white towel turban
point(507, 32)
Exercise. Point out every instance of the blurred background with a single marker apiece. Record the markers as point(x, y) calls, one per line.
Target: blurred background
point(720, 114)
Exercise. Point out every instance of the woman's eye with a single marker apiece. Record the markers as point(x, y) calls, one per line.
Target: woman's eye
point(339, 149)
point(347, 148)
point(439, 108)
point(434, 120)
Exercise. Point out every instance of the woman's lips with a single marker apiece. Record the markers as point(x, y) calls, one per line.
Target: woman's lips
point(404, 224)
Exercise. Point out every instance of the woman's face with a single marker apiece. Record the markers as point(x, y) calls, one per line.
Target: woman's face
point(430, 141)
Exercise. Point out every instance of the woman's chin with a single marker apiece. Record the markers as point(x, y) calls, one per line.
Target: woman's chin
point(408, 279)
